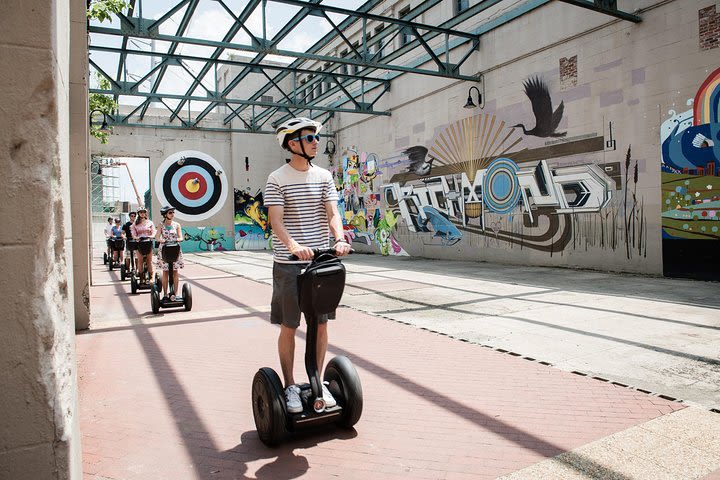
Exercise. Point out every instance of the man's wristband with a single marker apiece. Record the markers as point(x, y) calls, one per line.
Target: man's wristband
point(338, 240)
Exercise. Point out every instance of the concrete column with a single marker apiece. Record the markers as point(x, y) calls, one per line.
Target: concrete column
point(39, 427)
point(79, 161)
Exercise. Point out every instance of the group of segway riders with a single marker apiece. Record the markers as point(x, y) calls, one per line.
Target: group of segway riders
point(138, 235)
point(308, 279)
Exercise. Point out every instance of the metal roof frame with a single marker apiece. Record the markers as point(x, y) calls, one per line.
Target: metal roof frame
point(351, 81)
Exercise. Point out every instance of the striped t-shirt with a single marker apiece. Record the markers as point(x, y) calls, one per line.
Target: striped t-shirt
point(302, 196)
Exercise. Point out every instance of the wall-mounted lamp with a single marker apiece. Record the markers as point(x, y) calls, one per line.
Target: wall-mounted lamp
point(329, 148)
point(104, 128)
point(470, 103)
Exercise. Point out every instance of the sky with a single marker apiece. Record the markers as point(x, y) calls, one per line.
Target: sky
point(140, 170)
point(210, 22)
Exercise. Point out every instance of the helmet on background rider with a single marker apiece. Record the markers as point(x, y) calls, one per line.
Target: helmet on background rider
point(289, 130)
point(167, 208)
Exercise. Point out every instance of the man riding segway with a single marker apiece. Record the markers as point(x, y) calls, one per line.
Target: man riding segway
point(302, 206)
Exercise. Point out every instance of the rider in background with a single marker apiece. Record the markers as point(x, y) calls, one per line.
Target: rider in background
point(143, 228)
point(169, 231)
point(117, 232)
point(108, 236)
point(126, 228)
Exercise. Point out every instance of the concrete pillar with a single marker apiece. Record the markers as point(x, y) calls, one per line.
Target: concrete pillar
point(39, 427)
point(79, 161)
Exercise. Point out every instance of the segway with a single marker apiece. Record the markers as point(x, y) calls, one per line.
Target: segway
point(142, 282)
point(108, 249)
point(170, 253)
point(127, 269)
point(320, 288)
point(117, 245)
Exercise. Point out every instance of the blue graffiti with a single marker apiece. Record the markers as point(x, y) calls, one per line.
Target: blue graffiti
point(444, 228)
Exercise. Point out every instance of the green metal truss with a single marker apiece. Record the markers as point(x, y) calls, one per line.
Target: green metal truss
point(321, 81)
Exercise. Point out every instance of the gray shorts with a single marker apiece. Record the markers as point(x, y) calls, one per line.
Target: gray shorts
point(285, 305)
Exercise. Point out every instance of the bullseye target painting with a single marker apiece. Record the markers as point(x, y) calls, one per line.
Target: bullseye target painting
point(194, 183)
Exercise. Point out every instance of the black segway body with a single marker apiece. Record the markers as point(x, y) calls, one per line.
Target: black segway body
point(320, 288)
point(138, 282)
point(127, 270)
point(117, 245)
point(170, 254)
point(106, 257)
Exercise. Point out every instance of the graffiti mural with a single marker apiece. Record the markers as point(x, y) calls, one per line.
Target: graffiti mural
point(546, 121)
point(691, 165)
point(500, 189)
point(205, 239)
point(252, 228)
point(476, 185)
point(364, 220)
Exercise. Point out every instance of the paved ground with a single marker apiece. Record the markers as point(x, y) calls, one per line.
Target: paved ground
point(656, 334)
point(168, 396)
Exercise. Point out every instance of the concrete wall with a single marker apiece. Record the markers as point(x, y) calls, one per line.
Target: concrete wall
point(79, 149)
point(617, 81)
point(39, 434)
point(604, 71)
point(159, 144)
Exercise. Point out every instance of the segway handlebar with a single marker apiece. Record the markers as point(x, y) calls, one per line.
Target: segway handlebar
point(319, 251)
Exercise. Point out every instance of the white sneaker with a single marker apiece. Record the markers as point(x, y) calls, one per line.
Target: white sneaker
point(327, 396)
point(292, 399)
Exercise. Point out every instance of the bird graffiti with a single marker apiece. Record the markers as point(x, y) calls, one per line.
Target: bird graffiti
point(546, 121)
point(420, 163)
point(444, 228)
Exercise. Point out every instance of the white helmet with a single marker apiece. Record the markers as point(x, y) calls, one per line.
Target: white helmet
point(288, 127)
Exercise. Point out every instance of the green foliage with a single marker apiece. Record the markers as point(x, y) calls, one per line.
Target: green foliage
point(105, 104)
point(102, 10)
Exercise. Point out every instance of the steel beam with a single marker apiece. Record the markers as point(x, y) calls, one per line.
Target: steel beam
point(608, 7)
point(236, 101)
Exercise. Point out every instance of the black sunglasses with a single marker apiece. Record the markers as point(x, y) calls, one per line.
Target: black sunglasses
point(309, 138)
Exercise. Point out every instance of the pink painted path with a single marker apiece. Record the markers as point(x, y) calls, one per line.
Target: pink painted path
point(168, 396)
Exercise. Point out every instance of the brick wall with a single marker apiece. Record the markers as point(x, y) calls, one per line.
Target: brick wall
point(709, 28)
point(568, 72)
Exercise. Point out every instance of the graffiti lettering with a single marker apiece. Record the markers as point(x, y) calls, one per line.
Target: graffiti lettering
point(571, 189)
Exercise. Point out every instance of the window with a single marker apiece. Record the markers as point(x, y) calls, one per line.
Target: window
point(461, 6)
point(349, 68)
point(378, 47)
point(405, 32)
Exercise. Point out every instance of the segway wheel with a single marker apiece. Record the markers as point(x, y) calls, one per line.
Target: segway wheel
point(127, 264)
point(268, 402)
point(154, 300)
point(345, 387)
point(158, 282)
point(122, 272)
point(133, 285)
point(187, 297)
point(110, 263)
point(105, 258)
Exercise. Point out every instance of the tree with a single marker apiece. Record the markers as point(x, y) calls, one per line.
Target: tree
point(102, 10)
point(105, 104)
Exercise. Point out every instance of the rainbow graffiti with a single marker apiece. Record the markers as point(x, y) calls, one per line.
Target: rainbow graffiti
point(706, 108)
